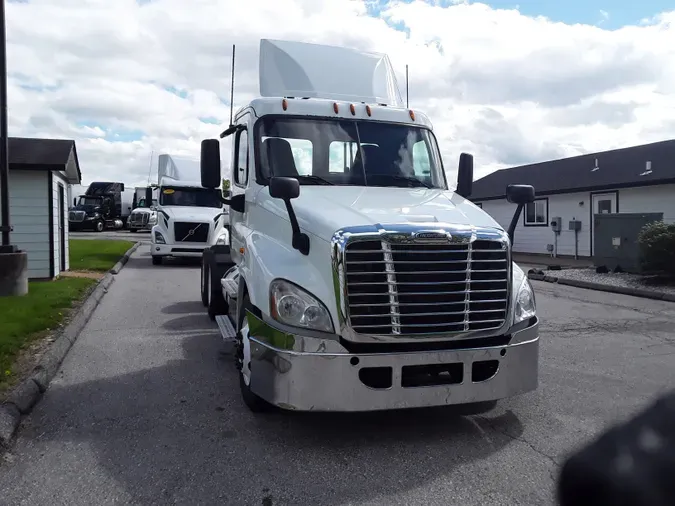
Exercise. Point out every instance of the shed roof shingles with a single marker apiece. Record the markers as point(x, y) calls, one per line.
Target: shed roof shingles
point(35, 152)
point(616, 168)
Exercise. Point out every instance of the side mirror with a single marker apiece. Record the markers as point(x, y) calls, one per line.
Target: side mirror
point(210, 163)
point(287, 188)
point(465, 175)
point(520, 193)
point(284, 188)
point(148, 197)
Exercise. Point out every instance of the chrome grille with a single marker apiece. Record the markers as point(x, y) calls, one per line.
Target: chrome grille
point(76, 216)
point(406, 289)
point(140, 219)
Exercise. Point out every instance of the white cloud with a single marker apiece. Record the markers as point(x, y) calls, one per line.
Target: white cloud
point(506, 87)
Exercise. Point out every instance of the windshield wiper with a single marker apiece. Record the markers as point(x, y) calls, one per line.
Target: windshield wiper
point(314, 179)
point(403, 178)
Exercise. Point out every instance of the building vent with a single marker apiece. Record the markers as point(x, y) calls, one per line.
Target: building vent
point(596, 166)
point(648, 168)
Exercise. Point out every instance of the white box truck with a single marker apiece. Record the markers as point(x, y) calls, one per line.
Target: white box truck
point(188, 214)
point(356, 279)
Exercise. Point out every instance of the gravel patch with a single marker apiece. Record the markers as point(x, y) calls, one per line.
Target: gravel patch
point(619, 279)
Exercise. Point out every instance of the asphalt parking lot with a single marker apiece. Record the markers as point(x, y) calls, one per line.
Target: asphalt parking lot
point(146, 410)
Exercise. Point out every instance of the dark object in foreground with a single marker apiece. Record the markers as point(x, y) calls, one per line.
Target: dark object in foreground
point(632, 464)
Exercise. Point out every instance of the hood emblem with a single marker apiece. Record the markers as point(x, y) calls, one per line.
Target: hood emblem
point(432, 237)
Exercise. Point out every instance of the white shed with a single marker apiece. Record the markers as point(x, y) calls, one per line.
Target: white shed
point(639, 179)
point(40, 171)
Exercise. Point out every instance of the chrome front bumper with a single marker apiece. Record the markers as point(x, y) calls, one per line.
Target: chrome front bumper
point(330, 381)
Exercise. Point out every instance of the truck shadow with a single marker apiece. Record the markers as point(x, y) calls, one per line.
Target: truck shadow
point(181, 431)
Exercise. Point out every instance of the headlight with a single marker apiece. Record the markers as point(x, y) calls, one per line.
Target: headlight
point(223, 238)
point(291, 305)
point(97, 215)
point(159, 238)
point(153, 218)
point(526, 306)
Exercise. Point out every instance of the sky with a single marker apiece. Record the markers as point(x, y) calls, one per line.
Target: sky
point(509, 82)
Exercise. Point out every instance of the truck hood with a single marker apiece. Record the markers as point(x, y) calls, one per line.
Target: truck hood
point(322, 210)
point(191, 213)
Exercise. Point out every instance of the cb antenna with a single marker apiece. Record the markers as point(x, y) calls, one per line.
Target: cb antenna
point(150, 168)
point(232, 87)
point(407, 102)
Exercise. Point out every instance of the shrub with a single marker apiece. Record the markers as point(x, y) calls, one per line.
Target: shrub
point(657, 248)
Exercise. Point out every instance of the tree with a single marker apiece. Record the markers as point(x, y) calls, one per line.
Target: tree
point(226, 187)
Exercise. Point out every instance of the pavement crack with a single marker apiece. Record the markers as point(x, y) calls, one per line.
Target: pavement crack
point(524, 441)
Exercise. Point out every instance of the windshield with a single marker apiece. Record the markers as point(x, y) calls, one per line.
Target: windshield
point(341, 152)
point(89, 201)
point(141, 203)
point(190, 197)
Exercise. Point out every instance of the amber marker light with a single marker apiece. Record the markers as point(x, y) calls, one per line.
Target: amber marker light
point(412, 115)
point(335, 107)
point(284, 104)
point(368, 111)
point(352, 109)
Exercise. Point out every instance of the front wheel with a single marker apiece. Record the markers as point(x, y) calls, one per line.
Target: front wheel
point(99, 226)
point(253, 402)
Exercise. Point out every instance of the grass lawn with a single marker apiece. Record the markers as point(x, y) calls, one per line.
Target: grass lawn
point(96, 254)
point(23, 319)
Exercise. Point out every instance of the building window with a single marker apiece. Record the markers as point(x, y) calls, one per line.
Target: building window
point(536, 213)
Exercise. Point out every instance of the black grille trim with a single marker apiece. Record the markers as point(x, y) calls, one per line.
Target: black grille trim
point(182, 231)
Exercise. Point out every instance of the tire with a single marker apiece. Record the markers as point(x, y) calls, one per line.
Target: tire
point(253, 402)
point(216, 304)
point(156, 260)
point(205, 274)
point(99, 226)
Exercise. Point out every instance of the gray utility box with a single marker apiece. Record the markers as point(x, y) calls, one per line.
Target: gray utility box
point(616, 239)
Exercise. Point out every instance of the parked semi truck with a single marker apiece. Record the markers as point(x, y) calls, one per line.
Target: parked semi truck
point(103, 206)
point(188, 215)
point(355, 279)
point(144, 213)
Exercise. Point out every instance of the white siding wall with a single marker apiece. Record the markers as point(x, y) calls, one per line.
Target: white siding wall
point(29, 215)
point(653, 199)
point(59, 179)
point(649, 199)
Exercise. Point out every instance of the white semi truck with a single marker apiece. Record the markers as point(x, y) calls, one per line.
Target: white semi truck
point(355, 279)
point(188, 215)
point(144, 214)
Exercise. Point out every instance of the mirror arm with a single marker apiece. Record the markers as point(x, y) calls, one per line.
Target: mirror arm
point(232, 129)
point(514, 222)
point(300, 240)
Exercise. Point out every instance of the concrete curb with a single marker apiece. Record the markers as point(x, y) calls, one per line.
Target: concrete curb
point(26, 394)
point(624, 290)
point(125, 258)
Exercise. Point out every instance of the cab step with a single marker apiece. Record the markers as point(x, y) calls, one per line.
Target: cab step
point(226, 328)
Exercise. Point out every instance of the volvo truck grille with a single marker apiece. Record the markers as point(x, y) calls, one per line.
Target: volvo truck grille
point(191, 232)
point(409, 289)
point(77, 216)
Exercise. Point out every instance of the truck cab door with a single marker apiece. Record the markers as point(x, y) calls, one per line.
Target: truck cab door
point(241, 161)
